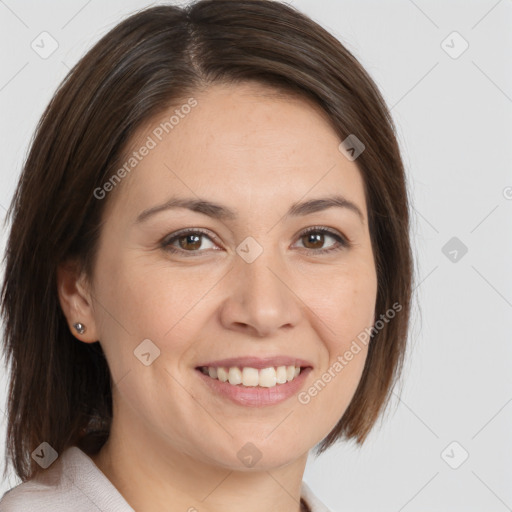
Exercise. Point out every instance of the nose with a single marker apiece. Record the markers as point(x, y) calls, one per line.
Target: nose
point(261, 298)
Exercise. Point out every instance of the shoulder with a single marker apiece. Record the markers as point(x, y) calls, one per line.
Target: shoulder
point(45, 492)
point(72, 482)
point(314, 503)
point(30, 495)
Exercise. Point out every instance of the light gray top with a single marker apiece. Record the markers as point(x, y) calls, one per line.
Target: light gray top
point(74, 482)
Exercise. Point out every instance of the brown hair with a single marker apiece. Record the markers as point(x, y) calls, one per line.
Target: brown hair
point(60, 388)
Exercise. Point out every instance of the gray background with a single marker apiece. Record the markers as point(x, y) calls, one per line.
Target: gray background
point(454, 118)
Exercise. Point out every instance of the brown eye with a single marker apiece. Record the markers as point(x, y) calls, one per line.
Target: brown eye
point(314, 239)
point(191, 241)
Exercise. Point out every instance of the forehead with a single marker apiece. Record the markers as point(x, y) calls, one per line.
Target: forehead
point(244, 144)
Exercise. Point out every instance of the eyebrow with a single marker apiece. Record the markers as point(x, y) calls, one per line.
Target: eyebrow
point(223, 213)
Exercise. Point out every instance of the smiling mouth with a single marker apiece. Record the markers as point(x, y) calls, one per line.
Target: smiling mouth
point(253, 377)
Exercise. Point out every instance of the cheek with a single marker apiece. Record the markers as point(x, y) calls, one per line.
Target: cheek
point(344, 308)
point(141, 295)
point(345, 302)
point(147, 300)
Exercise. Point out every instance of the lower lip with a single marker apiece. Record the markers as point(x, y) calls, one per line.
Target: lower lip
point(255, 396)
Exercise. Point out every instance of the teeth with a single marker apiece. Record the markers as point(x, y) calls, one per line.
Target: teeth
point(250, 377)
point(235, 376)
point(247, 376)
point(281, 374)
point(268, 377)
point(222, 374)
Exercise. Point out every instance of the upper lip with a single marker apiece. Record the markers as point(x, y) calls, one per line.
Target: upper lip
point(257, 362)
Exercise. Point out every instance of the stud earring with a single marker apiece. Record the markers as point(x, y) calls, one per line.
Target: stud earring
point(79, 327)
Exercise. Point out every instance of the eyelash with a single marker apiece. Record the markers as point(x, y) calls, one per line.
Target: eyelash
point(342, 242)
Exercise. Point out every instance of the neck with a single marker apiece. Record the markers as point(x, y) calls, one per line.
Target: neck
point(157, 476)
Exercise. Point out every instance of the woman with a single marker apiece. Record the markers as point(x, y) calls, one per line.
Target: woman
point(208, 272)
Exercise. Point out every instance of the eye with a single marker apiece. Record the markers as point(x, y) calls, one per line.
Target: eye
point(315, 238)
point(190, 241)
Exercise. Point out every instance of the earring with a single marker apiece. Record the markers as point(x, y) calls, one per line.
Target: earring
point(79, 327)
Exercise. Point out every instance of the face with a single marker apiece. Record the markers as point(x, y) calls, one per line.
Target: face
point(256, 277)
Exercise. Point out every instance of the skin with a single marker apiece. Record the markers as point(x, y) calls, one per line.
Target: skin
point(173, 443)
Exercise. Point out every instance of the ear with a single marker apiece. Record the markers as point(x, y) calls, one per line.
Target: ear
point(76, 301)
